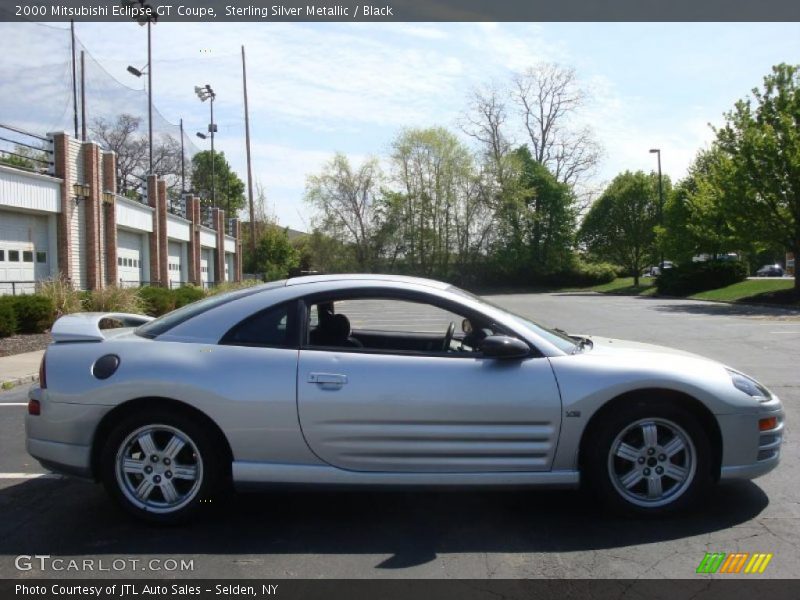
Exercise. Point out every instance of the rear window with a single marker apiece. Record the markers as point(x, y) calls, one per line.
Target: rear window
point(172, 319)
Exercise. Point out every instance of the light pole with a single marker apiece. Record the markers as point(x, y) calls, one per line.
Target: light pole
point(657, 152)
point(206, 93)
point(148, 18)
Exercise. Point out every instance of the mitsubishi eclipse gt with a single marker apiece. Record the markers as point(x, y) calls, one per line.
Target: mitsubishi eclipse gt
point(390, 381)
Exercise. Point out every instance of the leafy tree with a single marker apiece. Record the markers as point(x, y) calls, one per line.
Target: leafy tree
point(346, 202)
point(761, 137)
point(227, 188)
point(275, 257)
point(620, 226)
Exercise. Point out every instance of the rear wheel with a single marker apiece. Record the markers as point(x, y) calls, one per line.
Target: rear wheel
point(161, 466)
point(649, 458)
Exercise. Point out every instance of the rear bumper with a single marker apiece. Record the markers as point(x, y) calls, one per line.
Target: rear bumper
point(68, 459)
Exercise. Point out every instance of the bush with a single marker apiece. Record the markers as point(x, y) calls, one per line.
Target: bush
point(114, 299)
point(693, 277)
point(583, 274)
point(186, 295)
point(35, 313)
point(157, 300)
point(8, 318)
point(64, 298)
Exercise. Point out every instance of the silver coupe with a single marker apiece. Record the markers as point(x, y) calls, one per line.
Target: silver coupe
point(378, 380)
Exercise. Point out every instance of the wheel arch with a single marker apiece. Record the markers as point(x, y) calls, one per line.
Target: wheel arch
point(138, 405)
point(707, 419)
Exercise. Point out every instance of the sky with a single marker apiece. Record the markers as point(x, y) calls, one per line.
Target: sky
point(315, 89)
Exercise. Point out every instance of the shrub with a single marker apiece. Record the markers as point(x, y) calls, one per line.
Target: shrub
point(157, 300)
point(34, 313)
point(114, 299)
point(583, 274)
point(694, 277)
point(64, 298)
point(186, 295)
point(8, 318)
point(229, 286)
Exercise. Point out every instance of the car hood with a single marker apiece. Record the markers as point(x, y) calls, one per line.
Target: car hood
point(612, 346)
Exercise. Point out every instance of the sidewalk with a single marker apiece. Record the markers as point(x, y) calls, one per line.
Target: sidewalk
point(19, 368)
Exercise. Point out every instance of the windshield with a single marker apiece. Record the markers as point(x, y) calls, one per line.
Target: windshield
point(166, 322)
point(556, 337)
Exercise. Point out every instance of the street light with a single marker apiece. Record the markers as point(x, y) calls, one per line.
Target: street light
point(147, 17)
point(657, 151)
point(206, 93)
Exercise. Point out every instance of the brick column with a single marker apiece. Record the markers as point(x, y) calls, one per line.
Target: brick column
point(237, 258)
point(163, 249)
point(193, 212)
point(152, 200)
point(219, 255)
point(93, 178)
point(65, 171)
point(110, 216)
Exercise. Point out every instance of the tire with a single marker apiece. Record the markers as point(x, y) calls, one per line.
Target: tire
point(162, 466)
point(649, 458)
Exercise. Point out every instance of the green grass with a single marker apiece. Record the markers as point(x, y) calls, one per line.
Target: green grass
point(623, 286)
point(777, 291)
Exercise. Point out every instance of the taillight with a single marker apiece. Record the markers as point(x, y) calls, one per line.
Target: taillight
point(34, 407)
point(42, 376)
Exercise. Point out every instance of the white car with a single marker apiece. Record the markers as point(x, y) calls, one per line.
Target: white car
point(363, 380)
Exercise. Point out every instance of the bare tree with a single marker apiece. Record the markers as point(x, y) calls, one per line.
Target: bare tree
point(549, 97)
point(485, 121)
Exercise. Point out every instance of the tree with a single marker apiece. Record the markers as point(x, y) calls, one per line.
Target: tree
point(761, 137)
point(227, 187)
point(346, 203)
point(548, 97)
point(275, 257)
point(620, 226)
point(25, 157)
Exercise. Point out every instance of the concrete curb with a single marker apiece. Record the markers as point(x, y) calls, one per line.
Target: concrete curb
point(10, 384)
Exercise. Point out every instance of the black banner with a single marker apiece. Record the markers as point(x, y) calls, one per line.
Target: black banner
point(401, 10)
point(457, 589)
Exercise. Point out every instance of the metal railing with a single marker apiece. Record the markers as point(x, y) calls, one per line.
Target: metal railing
point(14, 141)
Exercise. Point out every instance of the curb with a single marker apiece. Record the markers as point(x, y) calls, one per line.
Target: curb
point(10, 384)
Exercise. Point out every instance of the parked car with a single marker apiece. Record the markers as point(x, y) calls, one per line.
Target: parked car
point(655, 271)
point(364, 380)
point(770, 271)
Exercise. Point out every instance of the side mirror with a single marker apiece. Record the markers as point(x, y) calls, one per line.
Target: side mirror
point(503, 346)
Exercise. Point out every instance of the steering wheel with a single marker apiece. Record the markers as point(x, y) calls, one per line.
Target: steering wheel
point(448, 337)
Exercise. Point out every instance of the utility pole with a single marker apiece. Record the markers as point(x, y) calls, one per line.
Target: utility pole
point(657, 152)
point(83, 95)
point(249, 164)
point(74, 79)
point(183, 169)
point(150, 92)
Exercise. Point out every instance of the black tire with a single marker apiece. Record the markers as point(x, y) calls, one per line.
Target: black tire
point(604, 474)
point(201, 451)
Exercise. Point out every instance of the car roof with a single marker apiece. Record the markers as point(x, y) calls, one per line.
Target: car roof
point(361, 277)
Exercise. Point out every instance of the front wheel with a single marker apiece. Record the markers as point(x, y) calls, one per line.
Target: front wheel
point(649, 458)
point(160, 466)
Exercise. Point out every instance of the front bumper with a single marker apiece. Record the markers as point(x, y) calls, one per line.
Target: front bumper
point(749, 452)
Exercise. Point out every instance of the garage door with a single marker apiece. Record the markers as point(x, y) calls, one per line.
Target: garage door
point(175, 263)
point(206, 265)
point(129, 258)
point(229, 274)
point(23, 249)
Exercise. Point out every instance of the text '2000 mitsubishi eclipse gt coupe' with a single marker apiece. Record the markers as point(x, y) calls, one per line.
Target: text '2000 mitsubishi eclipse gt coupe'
point(363, 380)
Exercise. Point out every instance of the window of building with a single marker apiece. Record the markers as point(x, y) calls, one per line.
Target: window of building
point(2, 255)
point(27, 256)
point(13, 256)
point(41, 257)
point(119, 261)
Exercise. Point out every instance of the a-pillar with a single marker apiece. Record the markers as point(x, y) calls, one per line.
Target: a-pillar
point(219, 255)
point(110, 215)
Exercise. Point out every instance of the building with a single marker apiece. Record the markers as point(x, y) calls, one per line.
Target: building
point(70, 222)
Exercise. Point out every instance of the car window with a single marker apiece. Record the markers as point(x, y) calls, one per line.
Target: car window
point(392, 325)
point(268, 328)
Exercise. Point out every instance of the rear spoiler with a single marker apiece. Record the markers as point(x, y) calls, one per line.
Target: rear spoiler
point(85, 327)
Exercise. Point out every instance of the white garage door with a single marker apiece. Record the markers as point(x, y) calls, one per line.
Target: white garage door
point(229, 274)
point(206, 265)
point(129, 258)
point(175, 263)
point(24, 253)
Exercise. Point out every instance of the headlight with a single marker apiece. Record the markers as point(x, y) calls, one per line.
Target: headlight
point(749, 386)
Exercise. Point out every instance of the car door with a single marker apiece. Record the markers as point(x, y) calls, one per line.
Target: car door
point(369, 409)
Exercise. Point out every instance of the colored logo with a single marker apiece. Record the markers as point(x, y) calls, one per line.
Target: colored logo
point(735, 562)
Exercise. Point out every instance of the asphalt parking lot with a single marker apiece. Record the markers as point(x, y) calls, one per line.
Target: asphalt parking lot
point(453, 534)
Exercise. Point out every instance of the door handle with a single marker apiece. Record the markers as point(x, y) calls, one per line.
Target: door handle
point(327, 378)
